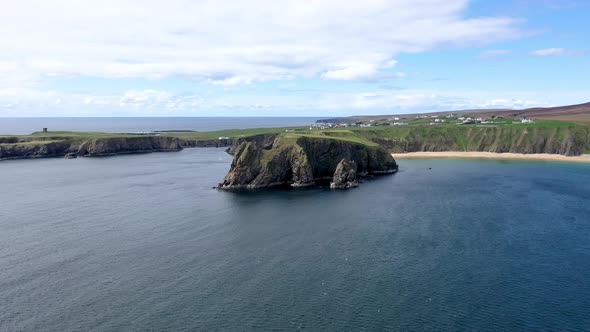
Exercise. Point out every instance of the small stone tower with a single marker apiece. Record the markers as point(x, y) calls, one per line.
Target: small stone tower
point(44, 130)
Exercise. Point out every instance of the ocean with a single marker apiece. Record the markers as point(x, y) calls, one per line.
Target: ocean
point(143, 243)
point(25, 126)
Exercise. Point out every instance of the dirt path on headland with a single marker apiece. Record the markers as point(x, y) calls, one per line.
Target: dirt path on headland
point(491, 155)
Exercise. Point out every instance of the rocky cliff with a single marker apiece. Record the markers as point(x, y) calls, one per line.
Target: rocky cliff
point(300, 161)
point(125, 145)
point(34, 150)
point(345, 176)
point(565, 140)
point(265, 142)
point(209, 143)
point(88, 148)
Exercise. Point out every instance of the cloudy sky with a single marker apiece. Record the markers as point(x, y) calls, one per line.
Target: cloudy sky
point(289, 57)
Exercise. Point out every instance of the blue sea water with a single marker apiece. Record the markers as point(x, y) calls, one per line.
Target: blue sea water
point(24, 126)
point(143, 243)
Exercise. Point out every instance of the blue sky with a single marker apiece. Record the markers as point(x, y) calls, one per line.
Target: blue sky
point(285, 58)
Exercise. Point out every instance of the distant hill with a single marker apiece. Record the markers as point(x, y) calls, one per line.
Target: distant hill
point(572, 113)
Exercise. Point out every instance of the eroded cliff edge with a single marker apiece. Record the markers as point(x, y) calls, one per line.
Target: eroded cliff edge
point(571, 140)
point(89, 148)
point(298, 161)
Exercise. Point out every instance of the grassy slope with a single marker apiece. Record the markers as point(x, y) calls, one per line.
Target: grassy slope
point(233, 133)
point(579, 113)
point(480, 138)
point(289, 139)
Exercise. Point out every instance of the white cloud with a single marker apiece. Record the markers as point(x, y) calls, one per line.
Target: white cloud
point(351, 72)
point(159, 101)
point(227, 41)
point(23, 102)
point(30, 102)
point(549, 52)
point(495, 53)
point(358, 70)
point(384, 102)
point(556, 52)
point(380, 101)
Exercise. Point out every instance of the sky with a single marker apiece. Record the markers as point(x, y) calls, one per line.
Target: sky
point(289, 57)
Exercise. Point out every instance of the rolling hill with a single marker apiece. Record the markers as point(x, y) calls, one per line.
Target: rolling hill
point(572, 113)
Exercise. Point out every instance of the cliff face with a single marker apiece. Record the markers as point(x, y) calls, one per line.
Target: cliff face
point(212, 143)
point(265, 142)
point(123, 145)
point(325, 154)
point(34, 150)
point(95, 147)
point(568, 141)
point(300, 162)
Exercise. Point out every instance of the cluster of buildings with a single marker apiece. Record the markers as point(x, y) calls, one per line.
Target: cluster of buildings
point(370, 123)
point(435, 120)
point(469, 120)
point(328, 125)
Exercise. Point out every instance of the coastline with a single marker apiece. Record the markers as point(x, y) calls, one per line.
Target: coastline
point(585, 158)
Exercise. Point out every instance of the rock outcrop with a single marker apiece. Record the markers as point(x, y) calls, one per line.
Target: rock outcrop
point(209, 143)
point(265, 142)
point(35, 150)
point(345, 176)
point(301, 161)
point(71, 155)
point(94, 147)
point(126, 145)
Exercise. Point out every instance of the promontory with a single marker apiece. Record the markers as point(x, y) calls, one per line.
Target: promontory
point(298, 160)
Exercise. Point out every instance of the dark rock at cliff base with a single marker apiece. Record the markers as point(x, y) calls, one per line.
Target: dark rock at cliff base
point(71, 155)
point(104, 146)
point(345, 176)
point(35, 150)
point(301, 161)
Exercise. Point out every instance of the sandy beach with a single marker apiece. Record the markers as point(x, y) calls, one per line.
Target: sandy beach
point(492, 155)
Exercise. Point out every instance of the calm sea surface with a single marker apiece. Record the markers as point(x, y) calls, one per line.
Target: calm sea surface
point(142, 243)
point(23, 126)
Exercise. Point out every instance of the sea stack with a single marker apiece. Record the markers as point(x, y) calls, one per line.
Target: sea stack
point(345, 176)
point(303, 160)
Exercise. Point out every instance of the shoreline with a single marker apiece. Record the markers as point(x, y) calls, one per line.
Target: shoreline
point(585, 158)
